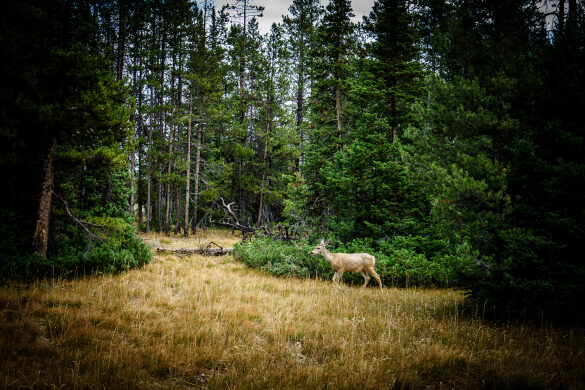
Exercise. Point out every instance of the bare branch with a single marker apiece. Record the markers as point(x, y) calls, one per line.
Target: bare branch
point(84, 225)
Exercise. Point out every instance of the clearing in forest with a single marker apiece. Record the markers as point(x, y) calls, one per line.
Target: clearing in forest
point(211, 322)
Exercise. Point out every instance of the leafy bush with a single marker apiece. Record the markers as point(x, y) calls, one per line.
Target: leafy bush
point(281, 259)
point(114, 248)
point(397, 265)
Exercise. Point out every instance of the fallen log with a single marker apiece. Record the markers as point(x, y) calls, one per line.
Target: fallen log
point(203, 250)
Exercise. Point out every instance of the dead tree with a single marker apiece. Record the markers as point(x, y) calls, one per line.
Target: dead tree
point(232, 220)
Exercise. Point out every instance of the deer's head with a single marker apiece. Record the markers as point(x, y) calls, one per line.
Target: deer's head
point(320, 249)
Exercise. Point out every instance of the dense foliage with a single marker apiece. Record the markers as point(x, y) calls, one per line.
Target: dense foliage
point(60, 101)
point(398, 265)
point(445, 137)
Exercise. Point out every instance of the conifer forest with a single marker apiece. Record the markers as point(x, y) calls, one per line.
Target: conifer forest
point(183, 187)
point(445, 137)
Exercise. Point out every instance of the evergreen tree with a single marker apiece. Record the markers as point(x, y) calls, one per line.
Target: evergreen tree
point(489, 148)
point(334, 46)
point(62, 105)
point(367, 180)
point(301, 31)
point(395, 67)
point(275, 133)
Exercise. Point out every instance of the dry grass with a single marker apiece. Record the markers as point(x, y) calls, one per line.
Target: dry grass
point(213, 323)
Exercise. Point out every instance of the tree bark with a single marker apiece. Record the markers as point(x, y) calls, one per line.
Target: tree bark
point(177, 209)
point(572, 21)
point(186, 226)
point(300, 102)
point(243, 97)
point(159, 200)
point(41, 234)
point(264, 167)
point(149, 169)
point(168, 202)
point(133, 148)
point(572, 29)
point(338, 113)
point(561, 20)
point(197, 168)
point(121, 40)
point(178, 139)
point(132, 167)
point(139, 192)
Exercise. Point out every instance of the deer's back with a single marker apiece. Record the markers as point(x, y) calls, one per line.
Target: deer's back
point(353, 262)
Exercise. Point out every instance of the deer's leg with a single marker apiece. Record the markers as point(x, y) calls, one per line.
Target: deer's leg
point(336, 276)
point(339, 276)
point(373, 272)
point(366, 278)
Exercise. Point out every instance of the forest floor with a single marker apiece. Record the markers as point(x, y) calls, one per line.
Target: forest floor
point(211, 322)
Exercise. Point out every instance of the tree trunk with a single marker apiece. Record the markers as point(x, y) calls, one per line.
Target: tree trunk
point(139, 133)
point(149, 169)
point(243, 55)
point(338, 113)
point(243, 96)
point(139, 192)
point(178, 143)
point(41, 234)
point(132, 168)
point(300, 102)
point(572, 29)
point(572, 20)
point(177, 209)
point(121, 40)
point(159, 200)
point(161, 102)
point(133, 148)
point(197, 168)
point(264, 167)
point(561, 20)
point(186, 227)
point(168, 203)
point(242, 194)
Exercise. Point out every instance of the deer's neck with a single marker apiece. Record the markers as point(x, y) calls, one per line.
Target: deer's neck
point(328, 256)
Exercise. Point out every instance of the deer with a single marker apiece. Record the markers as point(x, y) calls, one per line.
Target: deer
point(348, 262)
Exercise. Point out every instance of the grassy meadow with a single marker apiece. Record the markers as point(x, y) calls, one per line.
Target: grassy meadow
point(211, 322)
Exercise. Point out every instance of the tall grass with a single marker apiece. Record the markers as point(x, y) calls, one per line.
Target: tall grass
point(212, 322)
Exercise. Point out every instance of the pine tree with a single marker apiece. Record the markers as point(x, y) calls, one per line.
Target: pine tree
point(301, 32)
point(331, 69)
point(273, 87)
point(394, 66)
point(74, 116)
point(367, 180)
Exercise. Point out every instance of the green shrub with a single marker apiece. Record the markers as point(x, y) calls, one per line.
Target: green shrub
point(114, 248)
point(281, 259)
point(397, 265)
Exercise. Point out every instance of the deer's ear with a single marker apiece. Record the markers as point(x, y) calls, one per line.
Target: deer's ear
point(326, 242)
point(322, 241)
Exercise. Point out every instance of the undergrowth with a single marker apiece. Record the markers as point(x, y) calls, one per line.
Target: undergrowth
point(397, 265)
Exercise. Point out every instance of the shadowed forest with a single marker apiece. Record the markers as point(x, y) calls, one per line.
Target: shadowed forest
point(443, 137)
